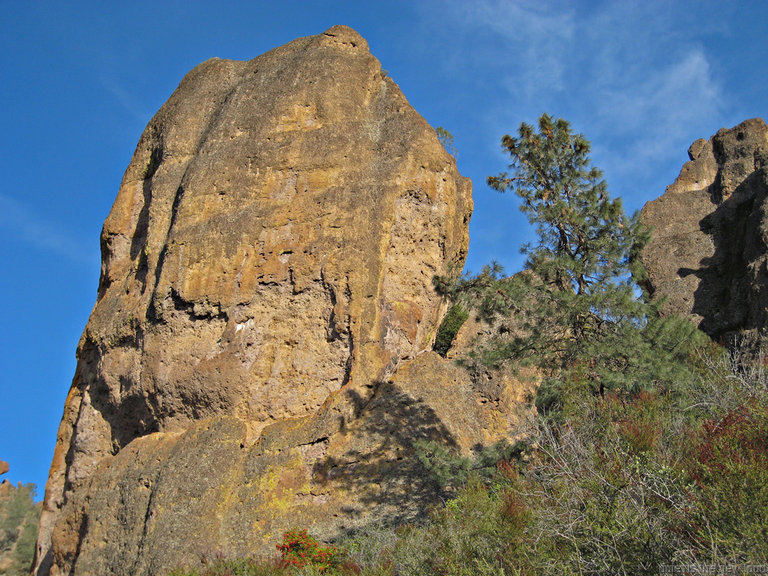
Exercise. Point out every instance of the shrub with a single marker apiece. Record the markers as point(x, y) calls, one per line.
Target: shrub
point(729, 467)
point(299, 549)
point(236, 567)
point(454, 319)
point(446, 139)
point(19, 517)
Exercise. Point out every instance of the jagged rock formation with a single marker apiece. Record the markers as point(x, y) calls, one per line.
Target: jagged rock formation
point(709, 249)
point(255, 358)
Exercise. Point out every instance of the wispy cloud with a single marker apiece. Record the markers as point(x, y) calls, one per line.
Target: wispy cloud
point(535, 37)
point(19, 221)
point(632, 76)
point(128, 101)
point(659, 114)
point(651, 86)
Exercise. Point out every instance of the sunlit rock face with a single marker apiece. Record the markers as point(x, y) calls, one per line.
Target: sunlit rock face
point(709, 249)
point(254, 358)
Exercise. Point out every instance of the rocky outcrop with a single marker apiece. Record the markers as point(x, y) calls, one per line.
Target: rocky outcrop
point(709, 249)
point(255, 360)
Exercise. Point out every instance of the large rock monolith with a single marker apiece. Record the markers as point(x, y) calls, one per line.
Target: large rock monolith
point(258, 355)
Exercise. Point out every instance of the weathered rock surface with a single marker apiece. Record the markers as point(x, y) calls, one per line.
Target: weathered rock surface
point(255, 358)
point(709, 249)
point(508, 392)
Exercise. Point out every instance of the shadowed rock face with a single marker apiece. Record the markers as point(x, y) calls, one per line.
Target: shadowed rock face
point(251, 361)
point(709, 249)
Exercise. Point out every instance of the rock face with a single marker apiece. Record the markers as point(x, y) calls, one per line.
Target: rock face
point(709, 248)
point(254, 359)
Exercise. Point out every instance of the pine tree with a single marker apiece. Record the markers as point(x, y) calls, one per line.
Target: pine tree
point(585, 240)
point(577, 307)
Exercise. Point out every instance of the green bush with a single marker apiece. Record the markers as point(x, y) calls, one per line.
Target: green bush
point(474, 534)
point(19, 517)
point(729, 468)
point(454, 319)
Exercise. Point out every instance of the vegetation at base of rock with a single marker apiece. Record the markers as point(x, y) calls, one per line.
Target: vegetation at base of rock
point(615, 484)
point(299, 549)
point(454, 319)
point(19, 516)
point(620, 483)
point(239, 567)
point(300, 553)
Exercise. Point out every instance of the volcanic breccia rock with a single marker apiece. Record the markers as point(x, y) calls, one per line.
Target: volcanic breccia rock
point(708, 256)
point(257, 358)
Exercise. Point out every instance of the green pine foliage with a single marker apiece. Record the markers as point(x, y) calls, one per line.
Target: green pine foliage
point(585, 239)
point(578, 305)
point(582, 258)
point(446, 139)
point(453, 321)
point(19, 517)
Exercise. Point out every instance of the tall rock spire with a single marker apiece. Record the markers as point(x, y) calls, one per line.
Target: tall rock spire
point(266, 265)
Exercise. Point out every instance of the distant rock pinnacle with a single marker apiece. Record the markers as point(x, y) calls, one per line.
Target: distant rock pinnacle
point(709, 250)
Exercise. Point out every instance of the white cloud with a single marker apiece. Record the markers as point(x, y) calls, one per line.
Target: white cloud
point(128, 101)
point(651, 84)
point(657, 114)
point(531, 38)
point(633, 77)
point(22, 223)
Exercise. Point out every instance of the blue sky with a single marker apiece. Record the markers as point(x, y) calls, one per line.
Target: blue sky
point(642, 80)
